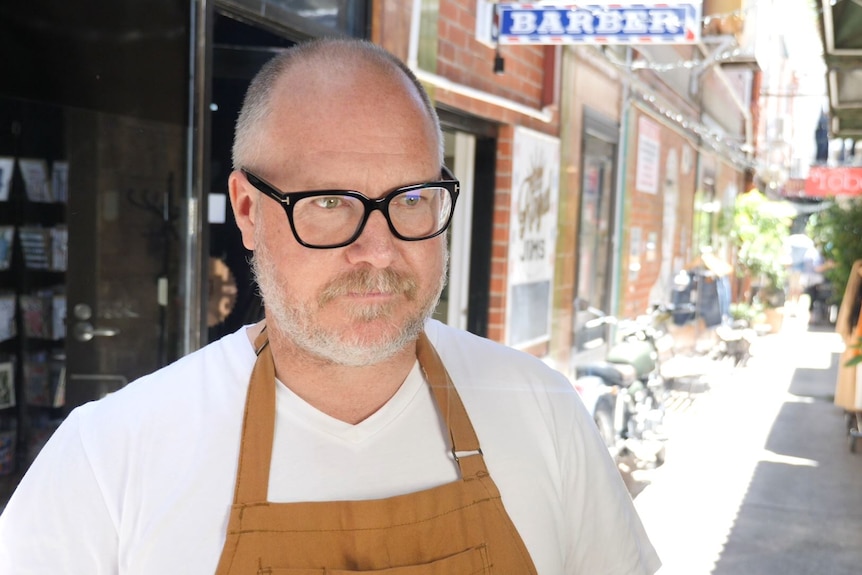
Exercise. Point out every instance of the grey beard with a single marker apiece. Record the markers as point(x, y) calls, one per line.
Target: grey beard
point(298, 324)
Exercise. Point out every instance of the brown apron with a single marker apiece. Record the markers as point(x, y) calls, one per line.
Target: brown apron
point(460, 528)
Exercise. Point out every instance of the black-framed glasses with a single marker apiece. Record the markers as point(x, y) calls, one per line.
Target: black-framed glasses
point(325, 219)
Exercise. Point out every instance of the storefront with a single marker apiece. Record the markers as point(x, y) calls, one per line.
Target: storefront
point(118, 249)
point(118, 253)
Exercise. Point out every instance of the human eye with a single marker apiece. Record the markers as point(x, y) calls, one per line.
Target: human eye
point(411, 199)
point(329, 202)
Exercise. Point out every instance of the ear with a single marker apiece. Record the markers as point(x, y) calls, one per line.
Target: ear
point(243, 200)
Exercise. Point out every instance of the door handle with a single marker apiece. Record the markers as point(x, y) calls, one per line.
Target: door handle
point(84, 331)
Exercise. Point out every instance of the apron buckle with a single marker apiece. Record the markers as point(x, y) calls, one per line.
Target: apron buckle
point(459, 454)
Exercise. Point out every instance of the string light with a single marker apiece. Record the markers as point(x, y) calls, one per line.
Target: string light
point(727, 147)
point(738, 13)
point(724, 145)
point(718, 57)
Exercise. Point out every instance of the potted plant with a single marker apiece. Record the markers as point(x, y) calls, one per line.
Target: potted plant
point(758, 233)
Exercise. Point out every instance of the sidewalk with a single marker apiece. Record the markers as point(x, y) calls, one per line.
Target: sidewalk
point(759, 479)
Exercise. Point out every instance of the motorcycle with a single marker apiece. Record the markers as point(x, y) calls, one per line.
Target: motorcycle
point(625, 390)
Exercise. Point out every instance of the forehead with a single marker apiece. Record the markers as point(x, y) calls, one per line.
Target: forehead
point(349, 117)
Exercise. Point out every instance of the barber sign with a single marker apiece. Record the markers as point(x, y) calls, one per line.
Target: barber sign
point(617, 23)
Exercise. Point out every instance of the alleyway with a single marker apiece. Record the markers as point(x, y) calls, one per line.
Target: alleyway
point(759, 479)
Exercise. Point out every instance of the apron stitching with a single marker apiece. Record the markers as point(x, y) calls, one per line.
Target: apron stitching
point(405, 524)
point(501, 509)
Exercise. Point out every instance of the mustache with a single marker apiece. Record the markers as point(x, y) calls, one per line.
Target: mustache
point(369, 281)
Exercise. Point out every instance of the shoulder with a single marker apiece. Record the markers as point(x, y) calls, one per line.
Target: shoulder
point(508, 392)
point(476, 359)
point(208, 380)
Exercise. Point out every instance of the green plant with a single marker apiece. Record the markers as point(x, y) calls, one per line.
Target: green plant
point(856, 359)
point(836, 231)
point(759, 231)
point(749, 312)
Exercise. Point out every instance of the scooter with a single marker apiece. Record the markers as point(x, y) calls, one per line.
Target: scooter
point(626, 391)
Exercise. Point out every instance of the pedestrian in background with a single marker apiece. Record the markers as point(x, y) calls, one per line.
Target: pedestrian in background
point(347, 431)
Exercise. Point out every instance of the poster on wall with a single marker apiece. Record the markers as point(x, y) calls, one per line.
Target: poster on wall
point(7, 166)
point(532, 237)
point(649, 142)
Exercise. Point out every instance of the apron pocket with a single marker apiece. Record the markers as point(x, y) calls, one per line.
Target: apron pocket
point(470, 562)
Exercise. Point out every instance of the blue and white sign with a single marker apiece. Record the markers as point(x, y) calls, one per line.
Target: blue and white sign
point(618, 23)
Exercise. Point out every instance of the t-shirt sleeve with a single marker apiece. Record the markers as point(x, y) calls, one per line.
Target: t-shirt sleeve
point(607, 535)
point(57, 521)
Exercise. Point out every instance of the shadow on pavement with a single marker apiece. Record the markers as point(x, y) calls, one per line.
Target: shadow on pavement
point(802, 513)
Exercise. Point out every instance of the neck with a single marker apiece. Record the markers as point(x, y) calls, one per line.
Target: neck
point(350, 394)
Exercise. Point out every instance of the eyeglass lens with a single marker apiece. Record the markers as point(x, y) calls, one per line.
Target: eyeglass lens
point(335, 218)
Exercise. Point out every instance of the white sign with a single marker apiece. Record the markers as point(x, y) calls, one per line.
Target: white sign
point(622, 22)
point(649, 148)
point(532, 236)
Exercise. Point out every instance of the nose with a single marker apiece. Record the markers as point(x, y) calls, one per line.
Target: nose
point(375, 245)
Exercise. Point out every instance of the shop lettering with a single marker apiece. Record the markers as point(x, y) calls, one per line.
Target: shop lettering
point(596, 21)
point(533, 250)
point(825, 182)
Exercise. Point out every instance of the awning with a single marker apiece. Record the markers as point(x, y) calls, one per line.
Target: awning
point(841, 30)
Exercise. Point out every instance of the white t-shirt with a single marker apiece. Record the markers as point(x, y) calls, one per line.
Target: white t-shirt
point(142, 481)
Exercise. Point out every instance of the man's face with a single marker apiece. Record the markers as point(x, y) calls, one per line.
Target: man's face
point(362, 303)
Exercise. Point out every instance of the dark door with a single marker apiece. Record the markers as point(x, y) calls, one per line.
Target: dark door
point(94, 111)
point(125, 181)
point(239, 51)
point(595, 238)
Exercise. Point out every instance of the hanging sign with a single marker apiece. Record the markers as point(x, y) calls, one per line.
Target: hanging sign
point(618, 23)
point(825, 182)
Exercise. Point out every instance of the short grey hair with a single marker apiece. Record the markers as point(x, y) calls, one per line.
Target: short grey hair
point(334, 52)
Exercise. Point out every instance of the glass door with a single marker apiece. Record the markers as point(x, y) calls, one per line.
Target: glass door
point(460, 157)
point(93, 179)
point(125, 181)
point(595, 237)
point(595, 229)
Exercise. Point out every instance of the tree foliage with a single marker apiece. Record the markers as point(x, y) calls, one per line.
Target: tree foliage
point(837, 232)
point(759, 231)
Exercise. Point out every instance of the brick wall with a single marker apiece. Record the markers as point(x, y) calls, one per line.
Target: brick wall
point(460, 58)
point(645, 211)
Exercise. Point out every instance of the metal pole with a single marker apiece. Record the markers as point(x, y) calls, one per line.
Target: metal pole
point(620, 210)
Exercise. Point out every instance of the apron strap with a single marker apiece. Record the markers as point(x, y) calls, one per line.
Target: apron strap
point(258, 427)
point(465, 444)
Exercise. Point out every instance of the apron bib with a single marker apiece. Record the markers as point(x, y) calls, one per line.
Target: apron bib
point(460, 528)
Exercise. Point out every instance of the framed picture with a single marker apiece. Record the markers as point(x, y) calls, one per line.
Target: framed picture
point(7, 237)
point(35, 243)
point(7, 385)
point(7, 166)
point(59, 248)
point(60, 181)
point(36, 183)
point(7, 316)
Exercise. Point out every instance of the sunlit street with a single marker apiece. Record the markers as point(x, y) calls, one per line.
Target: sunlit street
point(759, 478)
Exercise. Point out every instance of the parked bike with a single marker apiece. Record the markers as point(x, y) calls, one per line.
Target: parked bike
point(626, 390)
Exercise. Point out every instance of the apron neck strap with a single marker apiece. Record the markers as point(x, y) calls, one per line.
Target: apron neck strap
point(258, 425)
point(461, 433)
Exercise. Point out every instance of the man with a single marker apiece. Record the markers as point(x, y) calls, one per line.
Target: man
point(372, 439)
